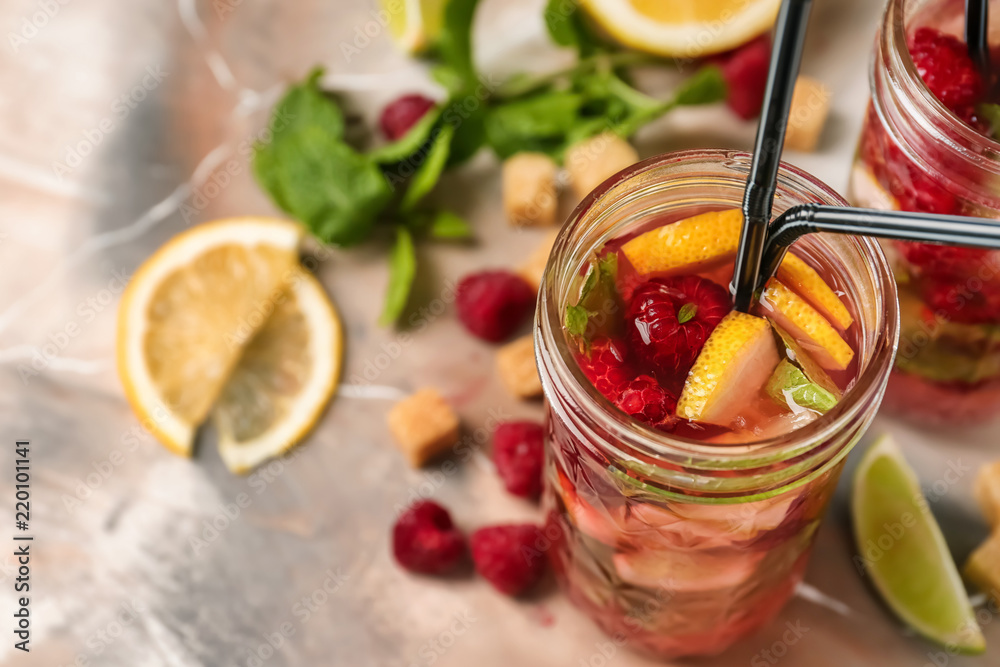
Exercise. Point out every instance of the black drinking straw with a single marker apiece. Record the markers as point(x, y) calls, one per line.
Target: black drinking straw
point(900, 225)
point(761, 183)
point(977, 24)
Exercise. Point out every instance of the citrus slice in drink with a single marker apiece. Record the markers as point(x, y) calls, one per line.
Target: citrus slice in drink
point(733, 366)
point(189, 311)
point(704, 240)
point(905, 553)
point(804, 279)
point(284, 379)
point(806, 325)
point(680, 28)
point(687, 244)
point(414, 24)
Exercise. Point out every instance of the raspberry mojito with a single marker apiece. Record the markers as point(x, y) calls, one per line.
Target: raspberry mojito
point(692, 449)
point(929, 145)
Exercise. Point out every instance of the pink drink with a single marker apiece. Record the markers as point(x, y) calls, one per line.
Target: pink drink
point(677, 536)
point(929, 147)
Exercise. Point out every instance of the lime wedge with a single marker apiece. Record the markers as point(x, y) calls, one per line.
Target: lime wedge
point(904, 551)
point(414, 24)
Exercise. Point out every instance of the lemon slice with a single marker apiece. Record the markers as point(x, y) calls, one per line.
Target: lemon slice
point(681, 28)
point(414, 24)
point(905, 553)
point(807, 326)
point(285, 378)
point(189, 311)
point(737, 360)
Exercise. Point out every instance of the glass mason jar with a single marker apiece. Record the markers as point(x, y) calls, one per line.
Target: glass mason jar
point(916, 155)
point(674, 546)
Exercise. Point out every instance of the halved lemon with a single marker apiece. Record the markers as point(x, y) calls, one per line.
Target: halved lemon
point(414, 24)
point(683, 28)
point(283, 381)
point(188, 313)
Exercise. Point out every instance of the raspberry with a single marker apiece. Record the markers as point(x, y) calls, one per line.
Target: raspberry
point(941, 261)
point(644, 399)
point(960, 303)
point(424, 539)
point(401, 115)
point(493, 304)
point(745, 71)
point(508, 556)
point(519, 453)
point(607, 367)
point(944, 64)
point(653, 328)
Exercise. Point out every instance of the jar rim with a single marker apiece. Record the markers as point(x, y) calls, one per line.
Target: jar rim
point(560, 372)
point(918, 104)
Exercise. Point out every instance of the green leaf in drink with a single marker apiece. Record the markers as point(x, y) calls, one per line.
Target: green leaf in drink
point(790, 387)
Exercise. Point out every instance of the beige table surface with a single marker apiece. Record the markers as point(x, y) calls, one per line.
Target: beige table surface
point(148, 103)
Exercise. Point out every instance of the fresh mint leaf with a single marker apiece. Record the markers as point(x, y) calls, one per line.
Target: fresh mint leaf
point(402, 270)
point(991, 114)
point(430, 169)
point(687, 312)
point(312, 174)
point(706, 86)
point(599, 293)
point(409, 143)
point(455, 43)
point(577, 319)
point(468, 116)
point(537, 123)
point(449, 227)
point(449, 78)
point(567, 26)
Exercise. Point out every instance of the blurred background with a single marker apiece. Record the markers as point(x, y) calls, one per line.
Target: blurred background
point(123, 124)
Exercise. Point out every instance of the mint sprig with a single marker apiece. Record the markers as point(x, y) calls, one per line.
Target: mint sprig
point(345, 196)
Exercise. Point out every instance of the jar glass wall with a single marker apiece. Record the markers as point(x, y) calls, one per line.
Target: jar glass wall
point(916, 154)
point(672, 545)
